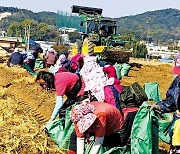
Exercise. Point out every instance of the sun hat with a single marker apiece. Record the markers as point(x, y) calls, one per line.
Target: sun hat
point(176, 68)
point(65, 62)
point(83, 115)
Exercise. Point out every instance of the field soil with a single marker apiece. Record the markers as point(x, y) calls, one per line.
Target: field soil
point(25, 108)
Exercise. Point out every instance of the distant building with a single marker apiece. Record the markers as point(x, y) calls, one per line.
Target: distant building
point(65, 29)
point(159, 51)
point(45, 45)
point(153, 49)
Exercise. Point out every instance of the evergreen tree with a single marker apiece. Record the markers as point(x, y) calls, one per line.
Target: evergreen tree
point(139, 50)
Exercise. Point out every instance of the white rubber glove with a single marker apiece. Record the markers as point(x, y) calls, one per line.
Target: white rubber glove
point(97, 145)
point(80, 145)
point(59, 100)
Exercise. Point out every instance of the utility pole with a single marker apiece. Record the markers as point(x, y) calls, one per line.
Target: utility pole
point(28, 36)
point(25, 33)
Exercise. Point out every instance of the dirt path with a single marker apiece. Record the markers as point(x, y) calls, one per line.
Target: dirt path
point(150, 71)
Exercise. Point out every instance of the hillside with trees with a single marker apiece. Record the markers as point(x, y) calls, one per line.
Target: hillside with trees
point(157, 26)
point(160, 25)
point(19, 15)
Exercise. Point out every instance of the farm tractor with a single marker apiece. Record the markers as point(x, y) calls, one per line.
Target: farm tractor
point(99, 37)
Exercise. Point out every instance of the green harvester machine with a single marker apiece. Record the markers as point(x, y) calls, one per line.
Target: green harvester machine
point(100, 36)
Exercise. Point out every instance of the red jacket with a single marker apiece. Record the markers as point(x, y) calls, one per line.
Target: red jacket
point(109, 119)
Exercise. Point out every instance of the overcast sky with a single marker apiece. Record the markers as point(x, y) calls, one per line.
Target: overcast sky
point(111, 8)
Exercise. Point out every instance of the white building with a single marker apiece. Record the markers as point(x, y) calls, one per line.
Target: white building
point(160, 51)
point(45, 45)
point(70, 30)
point(153, 49)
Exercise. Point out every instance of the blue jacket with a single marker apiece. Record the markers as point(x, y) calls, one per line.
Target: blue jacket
point(172, 101)
point(16, 58)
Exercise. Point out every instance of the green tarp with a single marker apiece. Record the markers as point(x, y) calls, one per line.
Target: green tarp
point(152, 91)
point(61, 135)
point(122, 69)
point(148, 127)
point(118, 68)
point(144, 133)
point(33, 73)
point(164, 123)
point(125, 69)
